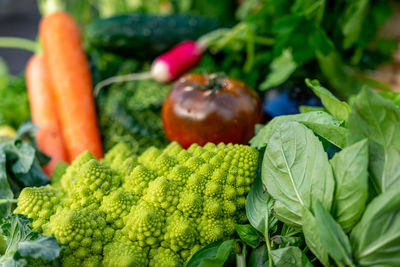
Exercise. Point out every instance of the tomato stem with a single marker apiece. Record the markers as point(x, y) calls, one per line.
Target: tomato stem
point(215, 81)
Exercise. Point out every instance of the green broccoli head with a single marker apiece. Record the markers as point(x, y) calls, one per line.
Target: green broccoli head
point(156, 209)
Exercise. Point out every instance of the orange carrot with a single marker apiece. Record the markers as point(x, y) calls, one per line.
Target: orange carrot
point(69, 69)
point(42, 104)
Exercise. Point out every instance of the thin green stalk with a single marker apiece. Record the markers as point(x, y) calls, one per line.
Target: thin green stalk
point(267, 240)
point(6, 201)
point(264, 40)
point(250, 51)
point(19, 43)
point(241, 258)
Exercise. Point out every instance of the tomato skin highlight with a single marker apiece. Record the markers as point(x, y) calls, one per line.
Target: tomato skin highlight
point(192, 114)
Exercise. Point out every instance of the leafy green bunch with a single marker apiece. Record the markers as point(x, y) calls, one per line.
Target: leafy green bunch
point(128, 112)
point(334, 41)
point(20, 166)
point(14, 106)
point(328, 190)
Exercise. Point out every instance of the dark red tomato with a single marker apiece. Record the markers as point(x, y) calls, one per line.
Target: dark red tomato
point(210, 108)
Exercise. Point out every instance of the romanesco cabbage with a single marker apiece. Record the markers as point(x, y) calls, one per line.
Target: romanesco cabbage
point(156, 209)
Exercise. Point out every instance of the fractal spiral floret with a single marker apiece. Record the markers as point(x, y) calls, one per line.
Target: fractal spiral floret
point(156, 209)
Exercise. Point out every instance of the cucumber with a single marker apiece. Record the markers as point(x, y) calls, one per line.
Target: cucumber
point(145, 36)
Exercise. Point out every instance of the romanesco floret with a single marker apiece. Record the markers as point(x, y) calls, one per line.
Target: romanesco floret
point(72, 173)
point(164, 257)
point(121, 252)
point(96, 181)
point(116, 206)
point(156, 209)
point(38, 203)
point(145, 224)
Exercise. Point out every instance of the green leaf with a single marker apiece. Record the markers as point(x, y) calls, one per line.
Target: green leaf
point(24, 155)
point(392, 96)
point(334, 134)
point(339, 109)
point(286, 24)
point(23, 242)
point(259, 203)
point(350, 168)
point(45, 247)
point(339, 75)
point(320, 41)
point(248, 234)
point(378, 119)
point(290, 257)
point(353, 18)
point(296, 172)
point(265, 133)
point(376, 238)
point(5, 190)
point(305, 109)
point(281, 69)
point(212, 255)
point(313, 240)
point(258, 257)
point(332, 236)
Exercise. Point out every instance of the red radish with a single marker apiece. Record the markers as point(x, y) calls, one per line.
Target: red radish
point(176, 61)
point(42, 104)
point(166, 67)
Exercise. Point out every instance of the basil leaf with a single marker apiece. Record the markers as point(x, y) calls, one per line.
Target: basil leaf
point(265, 133)
point(313, 239)
point(290, 257)
point(212, 255)
point(339, 109)
point(332, 236)
point(334, 134)
point(378, 119)
point(376, 238)
point(351, 174)
point(259, 203)
point(248, 234)
point(305, 109)
point(296, 172)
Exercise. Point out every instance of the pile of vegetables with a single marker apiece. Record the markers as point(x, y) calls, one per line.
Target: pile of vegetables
point(178, 184)
point(153, 210)
point(327, 190)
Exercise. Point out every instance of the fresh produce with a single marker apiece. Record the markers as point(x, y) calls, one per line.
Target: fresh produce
point(131, 113)
point(42, 104)
point(165, 68)
point(210, 108)
point(72, 84)
point(146, 36)
point(20, 166)
point(176, 61)
point(316, 207)
point(14, 106)
point(156, 209)
point(24, 247)
point(334, 41)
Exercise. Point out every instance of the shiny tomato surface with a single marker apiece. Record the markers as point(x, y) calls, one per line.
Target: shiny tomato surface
point(210, 108)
